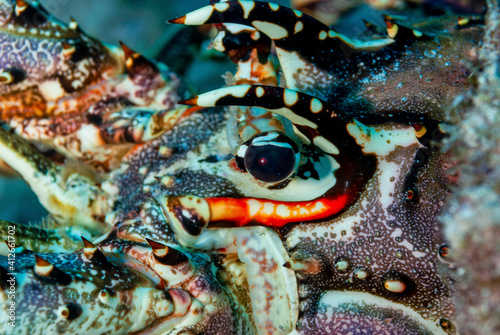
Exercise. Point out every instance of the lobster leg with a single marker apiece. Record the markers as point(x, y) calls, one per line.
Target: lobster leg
point(67, 195)
point(326, 51)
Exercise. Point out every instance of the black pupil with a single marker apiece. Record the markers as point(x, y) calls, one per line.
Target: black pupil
point(270, 163)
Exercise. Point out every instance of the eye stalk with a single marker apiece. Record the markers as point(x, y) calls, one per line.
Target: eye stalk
point(332, 160)
point(270, 157)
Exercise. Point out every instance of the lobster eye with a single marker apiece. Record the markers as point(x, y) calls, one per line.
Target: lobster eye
point(270, 157)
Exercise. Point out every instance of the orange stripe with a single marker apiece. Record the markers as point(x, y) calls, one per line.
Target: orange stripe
point(274, 213)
